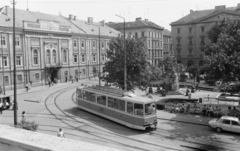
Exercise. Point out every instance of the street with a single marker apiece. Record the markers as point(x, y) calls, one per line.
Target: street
point(54, 107)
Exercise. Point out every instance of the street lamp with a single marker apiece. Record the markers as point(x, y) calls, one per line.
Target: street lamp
point(14, 68)
point(99, 67)
point(125, 61)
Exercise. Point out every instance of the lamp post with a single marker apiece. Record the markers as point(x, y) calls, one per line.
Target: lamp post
point(14, 68)
point(99, 67)
point(125, 61)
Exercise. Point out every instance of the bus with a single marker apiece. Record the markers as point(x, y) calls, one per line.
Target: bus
point(123, 107)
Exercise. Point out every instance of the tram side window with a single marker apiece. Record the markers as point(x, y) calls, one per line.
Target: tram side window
point(130, 107)
point(138, 109)
point(101, 99)
point(91, 96)
point(84, 93)
point(150, 109)
point(119, 104)
point(110, 102)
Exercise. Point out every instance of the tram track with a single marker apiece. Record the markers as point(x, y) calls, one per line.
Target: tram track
point(110, 134)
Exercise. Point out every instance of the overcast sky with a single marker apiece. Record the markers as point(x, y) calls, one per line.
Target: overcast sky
point(161, 12)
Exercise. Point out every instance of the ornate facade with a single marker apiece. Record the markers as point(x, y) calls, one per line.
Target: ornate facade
point(50, 47)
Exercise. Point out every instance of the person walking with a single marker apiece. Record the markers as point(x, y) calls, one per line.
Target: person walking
point(189, 95)
point(23, 116)
point(1, 91)
point(27, 87)
point(60, 133)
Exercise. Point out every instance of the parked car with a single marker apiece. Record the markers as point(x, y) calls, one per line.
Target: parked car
point(226, 123)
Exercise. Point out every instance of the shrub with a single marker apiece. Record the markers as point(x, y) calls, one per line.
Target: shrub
point(32, 126)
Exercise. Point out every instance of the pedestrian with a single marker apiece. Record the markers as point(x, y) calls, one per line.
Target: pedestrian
point(72, 80)
point(23, 116)
point(27, 87)
point(187, 92)
point(1, 107)
point(66, 79)
point(1, 92)
point(208, 97)
point(189, 95)
point(49, 83)
point(60, 133)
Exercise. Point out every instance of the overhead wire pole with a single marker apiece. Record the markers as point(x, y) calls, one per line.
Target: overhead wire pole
point(14, 68)
point(125, 60)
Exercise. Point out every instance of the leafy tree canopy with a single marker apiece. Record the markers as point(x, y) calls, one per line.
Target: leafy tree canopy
point(222, 56)
point(136, 58)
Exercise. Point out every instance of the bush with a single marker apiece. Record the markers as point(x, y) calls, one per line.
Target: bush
point(32, 126)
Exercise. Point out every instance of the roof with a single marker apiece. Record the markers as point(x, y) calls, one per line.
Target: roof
point(80, 26)
point(196, 15)
point(166, 32)
point(135, 24)
point(230, 118)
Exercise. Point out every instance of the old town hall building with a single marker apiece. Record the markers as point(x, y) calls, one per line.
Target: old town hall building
point(50, 47)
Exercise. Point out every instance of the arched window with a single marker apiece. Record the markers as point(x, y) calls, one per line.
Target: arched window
point(35, 56)
point(65, 56)
point(54, 56)
point(48, 59)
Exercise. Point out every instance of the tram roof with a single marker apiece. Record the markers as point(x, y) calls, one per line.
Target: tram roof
point(127, 95)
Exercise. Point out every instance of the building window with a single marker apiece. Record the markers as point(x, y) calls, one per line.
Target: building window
point(75, 43)
point(178, 30)
point(149, 34)
point(3, 40)
point(107, 45)
point(37, 77)
point(149, 42)
point(179, 41)
point(94, 44)
point(83, 44)
point(75, 58)
point(179, 51)
point(19, 79)
point(94, 58)
point(202, 40)
point(35, 56)
point(65, 56)
point(102, 44)
point(6, 80)
point(48, 57)
point(5, 61)
point(17, 41)
point(202, 29)
point(54, 56)
point(190, 41)
point(18, 60)
point(136, 35)
point(83, 58)
point(142, 33)
point(190, 51)
point(84, 72)
point(103, 57)
point(190, 30)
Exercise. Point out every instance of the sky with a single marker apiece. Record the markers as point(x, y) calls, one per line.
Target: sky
point(161, 12)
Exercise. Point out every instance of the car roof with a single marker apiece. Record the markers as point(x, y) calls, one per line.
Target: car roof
point(230, 118)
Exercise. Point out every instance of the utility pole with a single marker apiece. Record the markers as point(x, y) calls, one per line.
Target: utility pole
point(125, 60)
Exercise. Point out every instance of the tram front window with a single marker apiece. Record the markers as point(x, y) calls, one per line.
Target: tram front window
point(150, 109)
point(138, 109)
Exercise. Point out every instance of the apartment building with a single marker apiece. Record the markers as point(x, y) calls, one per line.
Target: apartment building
point(167, 43)
point(151, 32)
point(189, 34)
point(65, 45)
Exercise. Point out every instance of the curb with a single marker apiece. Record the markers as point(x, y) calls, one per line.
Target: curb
point(32, 101)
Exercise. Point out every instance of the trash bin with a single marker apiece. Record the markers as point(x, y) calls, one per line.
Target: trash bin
point(200, 100)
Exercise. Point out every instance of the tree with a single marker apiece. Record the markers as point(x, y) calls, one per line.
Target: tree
point(222, 56)
point(194, 71)
point(136, 58)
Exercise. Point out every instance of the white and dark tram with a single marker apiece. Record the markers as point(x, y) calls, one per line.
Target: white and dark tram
point(123, 107)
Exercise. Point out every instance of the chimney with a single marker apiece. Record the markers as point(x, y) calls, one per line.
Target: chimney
point(191, 11)
point(221, 7)
point(6, 10)
point(103, 23)
point(71, 17)
point(90, 20)
point(238, 6)
point(139, 18)
point(146, 19)
point(74, 17)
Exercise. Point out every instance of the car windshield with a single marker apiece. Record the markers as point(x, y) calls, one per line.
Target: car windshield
point(218, 120)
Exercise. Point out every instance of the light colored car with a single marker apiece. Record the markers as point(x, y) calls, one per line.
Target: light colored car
point(226, 123)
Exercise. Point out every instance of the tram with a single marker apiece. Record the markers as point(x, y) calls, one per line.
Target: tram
point(123, 107)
